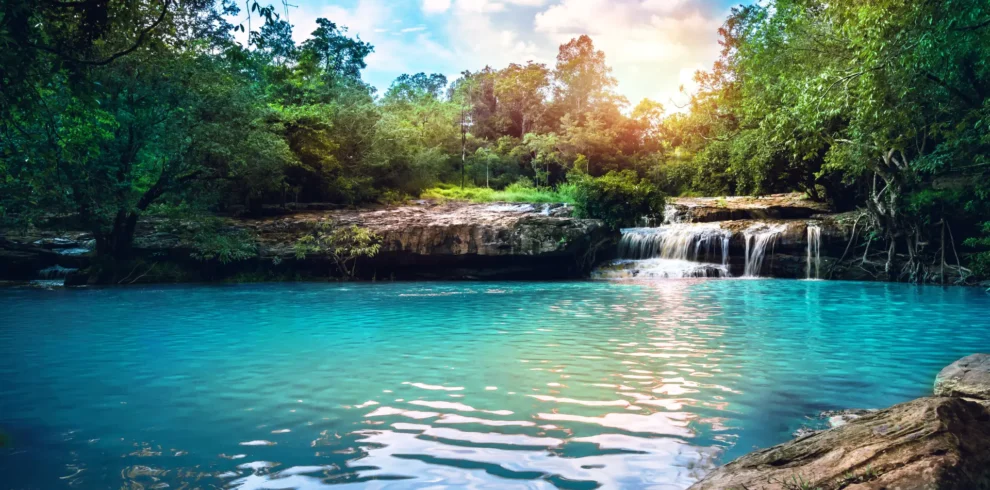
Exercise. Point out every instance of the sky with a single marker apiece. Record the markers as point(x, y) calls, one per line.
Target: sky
point(653, 46)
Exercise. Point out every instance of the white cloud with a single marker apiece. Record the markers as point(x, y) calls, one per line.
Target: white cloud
point(664, 6)
point(480, 6)
point(653, 46)
point(435, 6)
point(649, 44)
point(377, 22)
point(480, 38)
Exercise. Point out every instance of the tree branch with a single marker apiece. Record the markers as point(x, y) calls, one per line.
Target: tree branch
point(954, 91)
point(106, 61)
point(981, 25)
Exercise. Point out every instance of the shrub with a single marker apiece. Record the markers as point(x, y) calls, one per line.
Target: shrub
point(342, 244)
point(620, 199)
point(516, 192)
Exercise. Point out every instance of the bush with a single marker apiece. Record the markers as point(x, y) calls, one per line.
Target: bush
point(979, 262)
point(344, 245)
point(516, 192)
point(620, 199)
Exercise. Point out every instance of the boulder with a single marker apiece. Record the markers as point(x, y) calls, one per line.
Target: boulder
point(928, 443)
point(968, 377)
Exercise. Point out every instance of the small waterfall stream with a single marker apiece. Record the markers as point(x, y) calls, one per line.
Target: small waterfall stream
point(702, 242)
point(771, 236)
point(814, 260)
point(672, 250)
point(53, 276)
point(757, 239)
point(679, 249)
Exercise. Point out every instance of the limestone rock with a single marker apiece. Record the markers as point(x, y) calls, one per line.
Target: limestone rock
point(454, 240)
point(968, 377)
point(929, 443)
point(774, 206)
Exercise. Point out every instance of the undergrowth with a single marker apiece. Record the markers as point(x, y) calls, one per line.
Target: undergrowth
point(563, 193)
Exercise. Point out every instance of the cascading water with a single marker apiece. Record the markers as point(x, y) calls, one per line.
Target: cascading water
point(673, 250)
point(53, 276)
point(757, 238)
point(814, 252)
point(702, 242)
point(672, 215)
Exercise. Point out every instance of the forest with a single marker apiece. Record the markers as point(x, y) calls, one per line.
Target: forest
point(112, 111)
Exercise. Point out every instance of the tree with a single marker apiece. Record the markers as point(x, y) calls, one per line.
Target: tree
point(275, 42)
point(343, 244)
point(887, 93)
point(582, 78)
point(339, 56)
point(162, 121)
point(411, 88)
point(522, 92)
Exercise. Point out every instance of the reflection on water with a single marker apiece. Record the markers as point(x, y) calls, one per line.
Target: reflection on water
point(530, 385)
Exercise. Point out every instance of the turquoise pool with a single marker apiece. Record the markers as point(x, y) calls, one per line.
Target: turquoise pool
point(486, 385)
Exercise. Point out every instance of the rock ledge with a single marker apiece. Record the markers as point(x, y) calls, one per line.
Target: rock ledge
point(933, 443)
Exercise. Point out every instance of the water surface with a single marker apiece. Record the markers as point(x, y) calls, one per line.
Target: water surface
point(487, 385)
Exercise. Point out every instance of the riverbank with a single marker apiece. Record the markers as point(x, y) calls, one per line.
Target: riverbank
point(422, 240)
point(778, 236)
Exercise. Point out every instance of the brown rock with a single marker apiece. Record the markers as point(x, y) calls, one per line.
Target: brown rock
point(926, 444)
point(774, 206)
point(968, 377)
point(459, 239)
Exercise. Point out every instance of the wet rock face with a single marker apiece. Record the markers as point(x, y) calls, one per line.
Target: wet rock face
point(928, 443)
point(968, 377)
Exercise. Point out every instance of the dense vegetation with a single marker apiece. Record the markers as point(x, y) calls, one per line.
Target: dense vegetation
point(112, 110)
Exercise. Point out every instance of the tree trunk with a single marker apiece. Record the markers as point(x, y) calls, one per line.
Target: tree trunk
point(463, 147)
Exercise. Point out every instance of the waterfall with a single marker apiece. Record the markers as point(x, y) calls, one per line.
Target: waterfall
point(814, 251)
point(53, 276)
point(701, 242)
point(671, 215)
point(671, 251)
point(757, 238)
point(55, 272)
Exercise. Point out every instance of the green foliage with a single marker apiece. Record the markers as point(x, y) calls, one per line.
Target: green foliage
point(979, 261)
point(516, 192)
point(210, 237)
point(621, 199)
point(344, 245)
point(226, 246)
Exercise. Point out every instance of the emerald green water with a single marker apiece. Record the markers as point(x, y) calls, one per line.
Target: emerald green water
point(485, 385)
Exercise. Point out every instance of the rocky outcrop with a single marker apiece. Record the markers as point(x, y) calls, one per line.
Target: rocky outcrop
point(425, 240)
point(933, 443)
point(459, 240)
point(968, 377)
point(772, 207)
point(23, 260)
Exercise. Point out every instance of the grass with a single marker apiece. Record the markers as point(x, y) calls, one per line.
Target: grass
point(513, 193)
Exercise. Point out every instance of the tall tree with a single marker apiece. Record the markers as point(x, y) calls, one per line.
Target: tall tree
point(582, 77)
